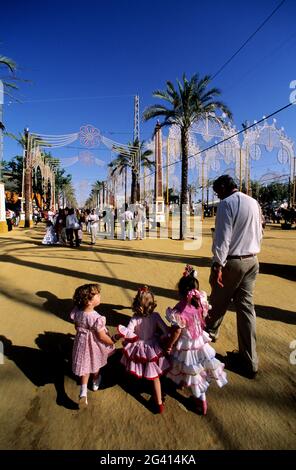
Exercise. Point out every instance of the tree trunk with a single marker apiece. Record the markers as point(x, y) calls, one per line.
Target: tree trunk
point(28, 195)
point(28, 183)
point(125, 187)
point(134, 187)
point(184, 183)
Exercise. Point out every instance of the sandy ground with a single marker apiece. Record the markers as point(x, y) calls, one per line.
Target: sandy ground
point(38, 406)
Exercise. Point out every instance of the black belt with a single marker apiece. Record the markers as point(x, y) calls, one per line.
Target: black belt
point(240, 257)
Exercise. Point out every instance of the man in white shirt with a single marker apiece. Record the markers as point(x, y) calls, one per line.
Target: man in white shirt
point(129, 229)
point(237, 238)
point(93, 219)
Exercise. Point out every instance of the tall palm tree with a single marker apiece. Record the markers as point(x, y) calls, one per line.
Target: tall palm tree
point(7, 63)
point(119, 165)
point(127, 159)
point(96, 188)
point(189, 102)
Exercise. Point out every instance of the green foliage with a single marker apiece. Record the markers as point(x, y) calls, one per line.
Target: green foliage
point(7, 64)
point(272, 193)
point(126, 159)
point(13, 174)
point(189, 102)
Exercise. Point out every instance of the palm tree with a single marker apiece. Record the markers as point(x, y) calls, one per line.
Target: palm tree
point(6, 63)
point(96, 188)
point(127, 159)
point(119, 165)
point(9, 64)
point(69, 195)
point(190, 102)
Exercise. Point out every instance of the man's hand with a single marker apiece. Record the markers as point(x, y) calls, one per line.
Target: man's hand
point(216, 276)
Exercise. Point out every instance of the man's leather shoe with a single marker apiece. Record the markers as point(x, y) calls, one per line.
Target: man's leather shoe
point(235, 362)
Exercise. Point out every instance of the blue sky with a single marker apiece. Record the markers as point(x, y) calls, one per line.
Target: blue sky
point(86, 60)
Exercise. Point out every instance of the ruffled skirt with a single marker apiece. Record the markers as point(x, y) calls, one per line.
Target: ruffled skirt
point(144, 360)
point(194, 364)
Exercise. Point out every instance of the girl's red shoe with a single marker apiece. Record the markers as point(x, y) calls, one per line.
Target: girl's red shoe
point(160, 408)
point(204, 407)
point(201, 406)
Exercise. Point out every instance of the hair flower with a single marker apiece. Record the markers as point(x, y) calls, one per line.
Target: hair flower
point(190, 271)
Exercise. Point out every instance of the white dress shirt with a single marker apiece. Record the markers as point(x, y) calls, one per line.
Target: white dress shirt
point(71, 221)
point(93, 219)
point(238, 229)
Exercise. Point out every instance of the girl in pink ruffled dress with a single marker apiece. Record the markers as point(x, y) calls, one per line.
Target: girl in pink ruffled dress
point(193, 359)
point(92, 344)
point(142, 353)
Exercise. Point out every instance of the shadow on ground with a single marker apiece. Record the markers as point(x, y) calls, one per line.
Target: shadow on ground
point(47, 365)
point(89, 277)
point(269, 312)
point(285, 271)
point(62, 309)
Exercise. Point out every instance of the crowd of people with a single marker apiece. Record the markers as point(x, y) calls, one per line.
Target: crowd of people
point(66, 226)
point(180, 351)
point(277, 214)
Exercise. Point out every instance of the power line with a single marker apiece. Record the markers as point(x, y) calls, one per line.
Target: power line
point(75, 98)
point(248, 40)
point(228, 138)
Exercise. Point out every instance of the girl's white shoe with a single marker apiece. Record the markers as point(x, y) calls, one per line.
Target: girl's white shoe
point(83, 402)
point(96, 384)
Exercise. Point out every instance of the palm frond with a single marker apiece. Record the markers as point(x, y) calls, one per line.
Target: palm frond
point(164, 95)
point(154, 111)
point(9, 85)
point(7, 62)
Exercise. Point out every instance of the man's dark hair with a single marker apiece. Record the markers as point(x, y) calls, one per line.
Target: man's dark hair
point(226, 182)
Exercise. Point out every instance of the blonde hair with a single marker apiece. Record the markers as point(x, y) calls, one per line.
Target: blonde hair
point(143, 304)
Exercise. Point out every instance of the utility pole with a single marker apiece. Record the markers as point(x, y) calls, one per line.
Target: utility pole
point(158, 185)
point(202, 187)
point(240, 170)
point(3, 224)
point(137, 162)
point(167, 171)
point(294, 183)
point(28, 178)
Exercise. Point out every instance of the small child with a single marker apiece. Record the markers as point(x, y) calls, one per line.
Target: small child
point(193, 360)
point(142, 354)
point(92, 344)
point(50, 237)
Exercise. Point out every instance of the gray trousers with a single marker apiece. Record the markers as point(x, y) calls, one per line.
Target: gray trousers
point(238, 277)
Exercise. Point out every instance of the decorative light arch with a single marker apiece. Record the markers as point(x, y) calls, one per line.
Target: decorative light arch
point(270, 137)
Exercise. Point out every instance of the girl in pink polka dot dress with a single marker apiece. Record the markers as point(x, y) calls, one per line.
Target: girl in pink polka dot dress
point(93, 344)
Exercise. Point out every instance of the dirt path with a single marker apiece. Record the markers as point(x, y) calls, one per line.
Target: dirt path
point(39, 395)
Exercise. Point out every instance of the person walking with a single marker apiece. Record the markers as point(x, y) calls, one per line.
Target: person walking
point(143, 355)
point(93, 220)
point(237, 238)
point(193, 361)
point(93, 344)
